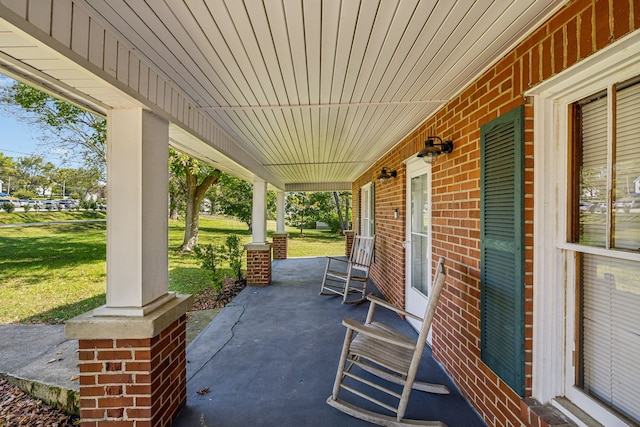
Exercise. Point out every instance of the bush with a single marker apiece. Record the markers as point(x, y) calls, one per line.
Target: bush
point(27, 207)
point(8, 207)
point(24, 194)
point(209, 260)
point(233, 251)
point(333, 222)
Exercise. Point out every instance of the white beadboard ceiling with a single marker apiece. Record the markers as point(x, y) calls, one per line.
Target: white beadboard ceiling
point(316, 91)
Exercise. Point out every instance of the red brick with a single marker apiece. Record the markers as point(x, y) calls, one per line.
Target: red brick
point(113, 390)
point(602, 27)
point(91, 344)
point(115, 379)
point(114, 355)
point(139, 413)
point(90, 367)
point(115, 413)
point(115, 423)
point(138, 389)
point(90, 414)
point(115, 402)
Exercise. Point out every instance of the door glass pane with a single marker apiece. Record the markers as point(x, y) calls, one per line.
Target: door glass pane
point(593, 172)
point(420, 234)
point(626, 213)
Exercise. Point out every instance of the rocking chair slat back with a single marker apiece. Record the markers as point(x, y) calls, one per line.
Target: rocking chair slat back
point(349, 277)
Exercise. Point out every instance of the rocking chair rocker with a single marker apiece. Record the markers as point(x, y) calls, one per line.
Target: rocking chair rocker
point(387, 354)
point(349, 277)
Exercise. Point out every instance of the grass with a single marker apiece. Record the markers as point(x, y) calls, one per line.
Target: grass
point(51, 273)
point(48, 216)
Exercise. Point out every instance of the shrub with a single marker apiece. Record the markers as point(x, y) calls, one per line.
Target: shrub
point(8, 207)
point(27, 207)
point(24, 194)
point(233, 251)
point(209, 260)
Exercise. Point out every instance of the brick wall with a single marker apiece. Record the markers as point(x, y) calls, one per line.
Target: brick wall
point(280, 245)
point(258, 267)
point(348, 242)
point(573, 33)
point(133, 382)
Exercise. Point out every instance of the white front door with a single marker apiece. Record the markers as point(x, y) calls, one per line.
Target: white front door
point(418, 238)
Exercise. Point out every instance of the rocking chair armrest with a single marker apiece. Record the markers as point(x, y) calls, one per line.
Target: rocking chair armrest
point(375, 300)
point(378, 334)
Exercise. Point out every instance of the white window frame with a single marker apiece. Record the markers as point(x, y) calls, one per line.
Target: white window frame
point(366, 222)
point(554, 259)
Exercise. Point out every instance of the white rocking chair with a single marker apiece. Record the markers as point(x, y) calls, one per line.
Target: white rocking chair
point(349, 277)
point(387, 354)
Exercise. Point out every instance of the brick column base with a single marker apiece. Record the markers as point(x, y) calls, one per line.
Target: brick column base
point(280, 245)
point(258, 264)
point(129, 381)
point(349, 241)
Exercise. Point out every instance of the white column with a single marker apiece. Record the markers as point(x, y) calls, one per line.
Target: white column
point(259, 212)
point(280, 212)
point(137, 220)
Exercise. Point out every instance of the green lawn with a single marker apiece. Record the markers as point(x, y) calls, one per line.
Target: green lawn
point(51, 273)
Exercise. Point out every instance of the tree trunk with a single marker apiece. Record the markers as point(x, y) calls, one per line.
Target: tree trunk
point(346, 209)
point(195, 195)
point(338, 208)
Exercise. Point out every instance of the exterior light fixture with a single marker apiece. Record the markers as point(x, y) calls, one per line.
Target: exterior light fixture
point(386, 175)
point(432, 149)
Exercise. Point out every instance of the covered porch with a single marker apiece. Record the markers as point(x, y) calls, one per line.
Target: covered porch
point(270, 359)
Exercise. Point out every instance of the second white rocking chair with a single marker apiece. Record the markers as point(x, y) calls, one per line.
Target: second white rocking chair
point(386, 353)
point(349, 277)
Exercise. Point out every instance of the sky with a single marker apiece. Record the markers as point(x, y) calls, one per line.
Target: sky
point(17, 139)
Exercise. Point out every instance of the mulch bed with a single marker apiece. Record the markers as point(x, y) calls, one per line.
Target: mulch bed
point(19, 409)
point(212, 299)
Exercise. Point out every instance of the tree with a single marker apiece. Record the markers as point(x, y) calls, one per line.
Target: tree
point(343, 220)
point(83, 134)
point(198, 177)
point(71, 130)
point(33, 173)
point(81, 181)
point(234, 197)
point(303, 208)
point(7, 172)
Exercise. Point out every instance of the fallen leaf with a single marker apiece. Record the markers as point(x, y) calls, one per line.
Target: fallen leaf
point(51, 361)
point(75, 377)
point(203, 390)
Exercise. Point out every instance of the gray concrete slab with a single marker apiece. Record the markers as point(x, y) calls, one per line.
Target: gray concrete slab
point(270, 358)
point(41, 361)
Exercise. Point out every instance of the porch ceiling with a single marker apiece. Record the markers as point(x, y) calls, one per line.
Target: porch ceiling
point(316, 91)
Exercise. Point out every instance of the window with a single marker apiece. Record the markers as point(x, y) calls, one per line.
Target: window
point(583, 244)
point(604, 215)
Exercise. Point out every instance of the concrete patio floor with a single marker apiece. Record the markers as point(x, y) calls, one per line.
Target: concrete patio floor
point(270, 358)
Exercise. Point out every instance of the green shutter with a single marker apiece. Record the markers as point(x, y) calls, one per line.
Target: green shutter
point(502, 247)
